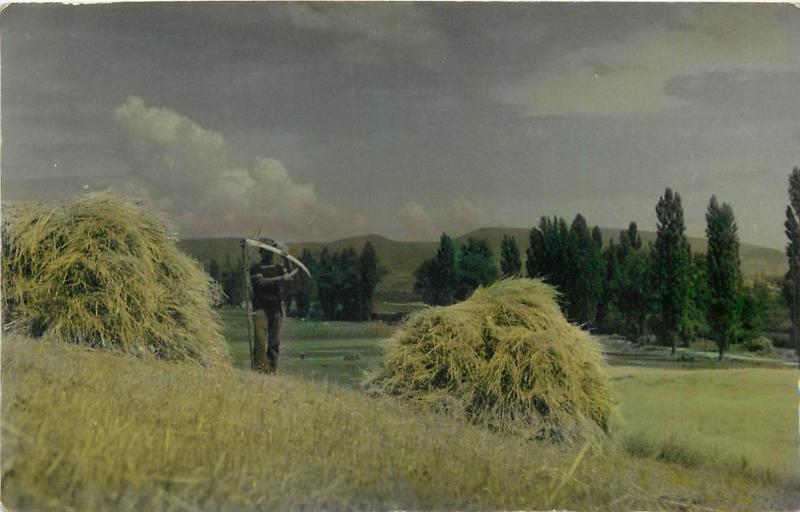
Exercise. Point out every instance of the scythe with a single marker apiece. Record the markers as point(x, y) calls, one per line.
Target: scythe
point(261, 245)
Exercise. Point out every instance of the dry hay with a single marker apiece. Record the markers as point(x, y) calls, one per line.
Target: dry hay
point(101, 271)
point(507, 358)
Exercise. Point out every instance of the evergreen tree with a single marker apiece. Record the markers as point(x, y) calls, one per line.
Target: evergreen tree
point(370, 274)
point(634, 239)
point(792, 281)
point(475, 267)
point(585, 273)
point(304, 286)
point(694, 322)
point(326, 285)
point(608, 308)
point(597, 237)
point(213, 271)
point(447, 270)
point(534, 262)
point(436, 279)
point(724, 275)
point(634, 292)
point(670, 266)
point(346, 265)
point(550, 252)
point(510, 262)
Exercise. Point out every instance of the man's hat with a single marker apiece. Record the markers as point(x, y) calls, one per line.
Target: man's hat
point(274, 243)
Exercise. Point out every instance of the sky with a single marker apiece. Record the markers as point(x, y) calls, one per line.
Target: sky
point(312, 121)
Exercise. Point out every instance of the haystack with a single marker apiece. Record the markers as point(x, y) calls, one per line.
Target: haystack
point(101, 271)
point(507, 358)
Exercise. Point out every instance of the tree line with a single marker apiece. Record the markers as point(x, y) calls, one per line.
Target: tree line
point(342, 286)
point(663, 289)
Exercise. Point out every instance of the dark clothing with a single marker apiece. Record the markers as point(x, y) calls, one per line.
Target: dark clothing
point(267, 346)
point(267, 296)
point(267, 313)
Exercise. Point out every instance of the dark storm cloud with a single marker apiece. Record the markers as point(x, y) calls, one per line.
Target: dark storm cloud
point(403, 111)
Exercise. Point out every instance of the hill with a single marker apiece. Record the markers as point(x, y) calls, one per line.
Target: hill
point(401, 258)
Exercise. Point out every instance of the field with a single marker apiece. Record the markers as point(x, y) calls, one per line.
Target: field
point(92, 430)
point(723, 421)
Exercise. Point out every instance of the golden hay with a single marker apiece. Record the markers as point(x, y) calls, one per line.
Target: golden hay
point(101, 271)
point(506, 357)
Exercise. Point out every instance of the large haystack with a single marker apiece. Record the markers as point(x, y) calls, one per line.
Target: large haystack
point(505, 357)
point(101, 271)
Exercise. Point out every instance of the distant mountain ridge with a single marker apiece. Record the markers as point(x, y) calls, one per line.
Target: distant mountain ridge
point(401, 258)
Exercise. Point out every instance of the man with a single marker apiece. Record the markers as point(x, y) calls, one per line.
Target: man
point(268, 281)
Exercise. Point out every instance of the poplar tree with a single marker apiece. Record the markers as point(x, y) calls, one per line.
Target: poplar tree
point(510, 261)
point(370, 274)
point(213, 270)
point(475, 267)
point(724, 275)
point(304, 285)
point(670, 265)
point(792, 281)
point(436, 279)
point(326, 285)
point(584, 273)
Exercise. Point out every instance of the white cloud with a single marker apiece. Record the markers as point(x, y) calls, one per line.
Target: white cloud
point(361, 28)
point(460, 216)
point(628, 77)
point(186, 169)
point(416, 223)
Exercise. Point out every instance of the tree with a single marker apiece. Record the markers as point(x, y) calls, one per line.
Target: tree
point(608, 305)
point(213, 270)
point(475, 267)
point(510, 262)
point(370, 274)
point(584, 272)
point(304, 286)
point(694, 322)
point(326, 285)
point(670, 265)
point(549, 253)
point(634, 294)
point(436, 278)
point(724, 275)
point(346, 266)
point(792, 226)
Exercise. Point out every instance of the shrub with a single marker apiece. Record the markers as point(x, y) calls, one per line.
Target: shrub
point(762, 344)
point(101, 271)
point(506, 357)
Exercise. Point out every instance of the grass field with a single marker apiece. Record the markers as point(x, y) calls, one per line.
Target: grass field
point(88, 430)
point(690, 408)
point(91, 430)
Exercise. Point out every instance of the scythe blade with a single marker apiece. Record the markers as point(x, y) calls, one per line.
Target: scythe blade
point(260, 245)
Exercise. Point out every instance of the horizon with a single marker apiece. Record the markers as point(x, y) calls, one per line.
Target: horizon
point(455, 236)
point(326, 121)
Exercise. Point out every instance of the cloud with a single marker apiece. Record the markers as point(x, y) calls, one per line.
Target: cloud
point(629, 76)
point(459, 217)
point(363, 28)
point(463, 216)
point(416, 222)
point(187, 170)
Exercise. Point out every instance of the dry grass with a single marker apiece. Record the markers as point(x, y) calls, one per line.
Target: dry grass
point(506, 357)
point(91, 430)
point(102, 272)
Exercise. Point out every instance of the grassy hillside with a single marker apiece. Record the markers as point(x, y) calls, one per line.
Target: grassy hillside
point(92, 430)
point(402, 258)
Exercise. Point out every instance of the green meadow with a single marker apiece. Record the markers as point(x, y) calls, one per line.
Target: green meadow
point(91, 430)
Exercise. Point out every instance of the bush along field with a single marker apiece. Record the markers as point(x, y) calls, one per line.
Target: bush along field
point(118, 394)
